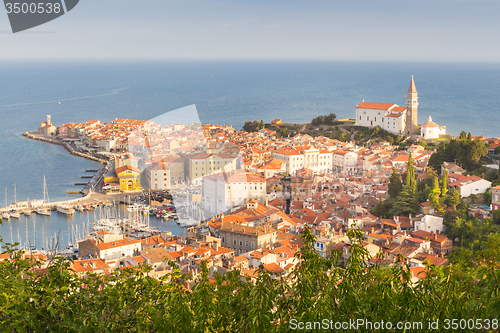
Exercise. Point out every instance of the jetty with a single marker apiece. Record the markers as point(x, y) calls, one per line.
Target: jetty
point(87, 199)
point(94, 180)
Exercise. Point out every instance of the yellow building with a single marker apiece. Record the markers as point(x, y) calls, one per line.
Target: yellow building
point(129, 177)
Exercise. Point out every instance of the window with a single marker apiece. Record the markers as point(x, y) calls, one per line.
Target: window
point(222, 239)
point(241, 243)
point(234, 241)
point(253, 245)
point(246, 243)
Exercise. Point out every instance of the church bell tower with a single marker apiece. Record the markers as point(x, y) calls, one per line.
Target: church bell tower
point(412, 108)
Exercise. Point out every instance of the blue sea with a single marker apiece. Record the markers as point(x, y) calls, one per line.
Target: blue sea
point(461, 96)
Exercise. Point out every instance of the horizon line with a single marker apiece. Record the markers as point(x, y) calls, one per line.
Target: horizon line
point(385, 60)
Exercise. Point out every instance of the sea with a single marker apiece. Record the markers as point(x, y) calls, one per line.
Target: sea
point(461, 96)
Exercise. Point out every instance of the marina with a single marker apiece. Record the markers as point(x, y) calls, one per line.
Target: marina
point(32, 231)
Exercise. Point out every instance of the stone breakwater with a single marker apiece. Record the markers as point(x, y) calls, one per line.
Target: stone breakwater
point(95, 180)
point(66, 146)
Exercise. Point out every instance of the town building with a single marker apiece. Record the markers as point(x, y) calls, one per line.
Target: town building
point(203, 164)
point(439, 243)
point(430, 223)
point(118, 248)
point(345, 162)
point(495, 197)
point(297, 158)
point(391, 117)
point(468, 185)
point(243, 238)
point(223, 191)
point(158, 176)
point(129, 178)
point(431, 130)
point(46, 128)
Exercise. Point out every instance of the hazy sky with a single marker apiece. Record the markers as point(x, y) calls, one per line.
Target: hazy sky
point(258, 29)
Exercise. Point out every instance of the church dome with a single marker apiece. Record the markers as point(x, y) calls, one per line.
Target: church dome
point(429, 123)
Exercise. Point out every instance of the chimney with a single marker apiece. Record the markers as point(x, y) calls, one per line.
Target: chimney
point(215, 245)
point(441, 255)
point(435, 236)
point(373, 230)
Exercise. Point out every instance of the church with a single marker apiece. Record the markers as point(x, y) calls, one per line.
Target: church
point(391, 117)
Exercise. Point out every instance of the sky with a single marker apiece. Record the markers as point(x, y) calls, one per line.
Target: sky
point(388, 30)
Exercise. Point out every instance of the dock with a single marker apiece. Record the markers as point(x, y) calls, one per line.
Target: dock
point(94, 180)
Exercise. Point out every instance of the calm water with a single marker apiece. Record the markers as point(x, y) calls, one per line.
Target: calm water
point(462, 96)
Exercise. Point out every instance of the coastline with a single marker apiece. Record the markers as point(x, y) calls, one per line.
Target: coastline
point(95, 179)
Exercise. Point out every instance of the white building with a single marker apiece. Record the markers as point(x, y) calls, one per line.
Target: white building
point(429, 223)
point(158, 176)
point(431, 130)
point(223, 191)
point(312, 158)
point(391, 117)
point(468, 185)
point(345, 162)
point(115, 249)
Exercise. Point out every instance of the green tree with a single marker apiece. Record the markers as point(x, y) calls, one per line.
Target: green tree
point(410, 175)
point(434, 196)
point(395, 185)
point(261, 125)
point(454, 198)
point(444, 181)
point(405, 203)
point(487, 197)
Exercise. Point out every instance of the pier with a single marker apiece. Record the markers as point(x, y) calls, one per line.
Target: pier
point(88, 199)
point(94, 180)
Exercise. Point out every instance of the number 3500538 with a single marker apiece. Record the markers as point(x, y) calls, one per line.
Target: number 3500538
point(33, 8)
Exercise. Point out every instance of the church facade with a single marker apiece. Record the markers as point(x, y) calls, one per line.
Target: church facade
point(391, 117)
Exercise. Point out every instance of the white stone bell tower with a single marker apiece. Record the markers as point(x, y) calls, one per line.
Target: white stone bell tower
point(412, 108)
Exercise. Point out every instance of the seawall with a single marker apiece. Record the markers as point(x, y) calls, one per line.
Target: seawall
point(95, 180)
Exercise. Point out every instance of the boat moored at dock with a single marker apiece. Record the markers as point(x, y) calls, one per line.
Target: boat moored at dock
point(5, 216)
point(44, 212)
point(15, 215)
point(65, 209)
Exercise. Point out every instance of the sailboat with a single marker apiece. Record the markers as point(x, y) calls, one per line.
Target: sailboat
point(5, 215)
point(28, 212)
point(13, 213)
point(42, 211)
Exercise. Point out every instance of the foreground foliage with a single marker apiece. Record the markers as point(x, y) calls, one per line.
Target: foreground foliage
point(56, 300)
